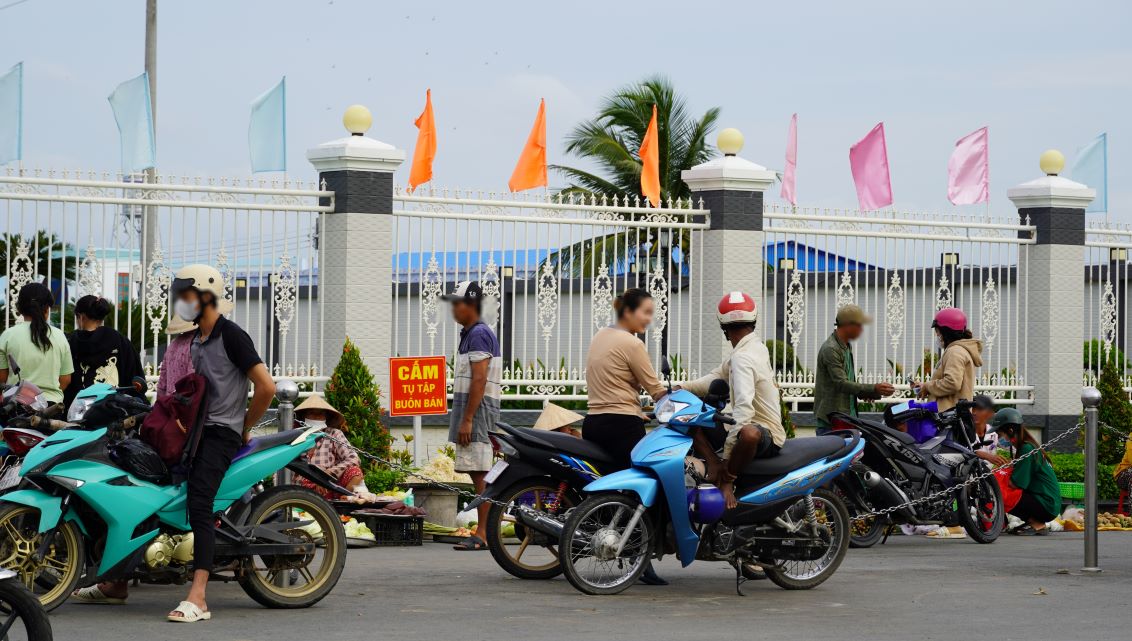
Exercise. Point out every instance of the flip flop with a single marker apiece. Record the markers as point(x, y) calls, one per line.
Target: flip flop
point(190, 613)
point(94, 596)
point(470, 544)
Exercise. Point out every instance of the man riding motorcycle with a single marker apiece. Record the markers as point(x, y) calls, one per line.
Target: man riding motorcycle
point(755, 405)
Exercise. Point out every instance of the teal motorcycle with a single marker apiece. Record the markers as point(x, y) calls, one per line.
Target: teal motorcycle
point(85, 513)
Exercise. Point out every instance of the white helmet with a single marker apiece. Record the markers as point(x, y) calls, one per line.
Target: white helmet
point(736, 307)
point(202, 278)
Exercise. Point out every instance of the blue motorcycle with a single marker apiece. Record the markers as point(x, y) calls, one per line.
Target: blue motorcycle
point(786, 522)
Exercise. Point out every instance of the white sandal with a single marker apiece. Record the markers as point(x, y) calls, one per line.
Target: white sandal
point(190, 613)
point(94, 596)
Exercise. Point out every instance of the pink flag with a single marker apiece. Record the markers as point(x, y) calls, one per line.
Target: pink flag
point(869, 161)
point(791, 162)
point(968, 170)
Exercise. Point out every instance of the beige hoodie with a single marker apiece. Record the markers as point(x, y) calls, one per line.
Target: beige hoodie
point(954, 375)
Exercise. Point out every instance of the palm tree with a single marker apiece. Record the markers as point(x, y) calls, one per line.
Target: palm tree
point(610, 140)
point(47, 251)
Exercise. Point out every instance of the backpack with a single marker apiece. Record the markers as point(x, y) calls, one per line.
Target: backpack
point(175, 418)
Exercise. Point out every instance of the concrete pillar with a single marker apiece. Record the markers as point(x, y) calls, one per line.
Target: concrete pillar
point(357, 244)
point(732, 190)
point(1052, 273)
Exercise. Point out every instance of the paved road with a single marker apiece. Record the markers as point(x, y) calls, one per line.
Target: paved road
point(911, 588)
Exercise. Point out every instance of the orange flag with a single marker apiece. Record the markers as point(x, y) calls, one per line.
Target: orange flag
point(650, 163)
point(530, 171)
point(421, 171)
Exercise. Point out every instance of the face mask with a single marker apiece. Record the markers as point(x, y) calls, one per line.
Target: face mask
point(1004, 443)
point(187, 310)
point(311, 422)
point(939, 342)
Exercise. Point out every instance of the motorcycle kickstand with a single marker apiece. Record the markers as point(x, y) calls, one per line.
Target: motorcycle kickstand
point(887, 531)
point(739, 579)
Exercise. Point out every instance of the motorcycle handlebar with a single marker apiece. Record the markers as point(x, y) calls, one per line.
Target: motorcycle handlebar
point(720, 417)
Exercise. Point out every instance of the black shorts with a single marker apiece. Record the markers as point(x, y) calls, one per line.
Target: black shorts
point(617, 434)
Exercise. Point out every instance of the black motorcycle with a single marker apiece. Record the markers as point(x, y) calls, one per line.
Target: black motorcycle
point(21, 615)
point(916, 481)
point(539, 478)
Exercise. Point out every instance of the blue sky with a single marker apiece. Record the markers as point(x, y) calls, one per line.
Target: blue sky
point(1040, 74)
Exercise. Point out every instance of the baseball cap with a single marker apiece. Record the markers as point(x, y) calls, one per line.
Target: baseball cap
point(983, 402)
point(852, 315)
point(466, 290)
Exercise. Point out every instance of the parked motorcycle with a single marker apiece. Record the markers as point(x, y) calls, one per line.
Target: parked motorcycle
point(21, 615)
point(933, 456)
point(540, 477)
point(20, 405)
point(90, 509)
point(786, 521)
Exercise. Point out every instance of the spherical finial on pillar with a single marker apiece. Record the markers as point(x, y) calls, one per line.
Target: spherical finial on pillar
point(1090, 396)
point(357, 120)
point(1052, 162)
point(730, 141)
point(286, 390)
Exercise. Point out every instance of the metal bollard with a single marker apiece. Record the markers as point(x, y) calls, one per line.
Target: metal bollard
point(286, 392)
point(1090, 398)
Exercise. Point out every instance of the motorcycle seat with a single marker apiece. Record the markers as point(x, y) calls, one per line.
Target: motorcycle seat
point(795, 454)
point(266, 442)
point(558, 441)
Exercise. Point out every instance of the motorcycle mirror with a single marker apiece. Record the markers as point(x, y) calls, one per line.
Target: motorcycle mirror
point(665, 367)
point(139, 384)
point(720, 388)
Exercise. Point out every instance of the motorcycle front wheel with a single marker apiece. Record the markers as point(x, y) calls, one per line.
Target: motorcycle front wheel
point(295, 580)
point(981, 511)
point(21, 615)
point(832, 517)
point(533, 555)
point(52, 578)
point(595, 530)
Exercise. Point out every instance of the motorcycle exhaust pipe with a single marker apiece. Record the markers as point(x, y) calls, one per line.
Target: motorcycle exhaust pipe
point(540, 522)
point(885, 494)
point(871, 479)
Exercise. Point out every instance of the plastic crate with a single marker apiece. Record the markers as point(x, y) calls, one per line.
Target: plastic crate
point(391, 530)
point(1072, 491)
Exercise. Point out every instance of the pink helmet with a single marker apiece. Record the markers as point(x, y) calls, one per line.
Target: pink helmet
point(951, 318)
point(736, 307)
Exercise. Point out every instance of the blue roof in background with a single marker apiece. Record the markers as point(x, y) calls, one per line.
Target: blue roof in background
point(810, 259)
point(469, 260)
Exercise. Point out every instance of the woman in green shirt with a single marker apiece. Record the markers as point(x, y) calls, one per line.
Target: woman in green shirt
point(1032, 473)
point(39, 350)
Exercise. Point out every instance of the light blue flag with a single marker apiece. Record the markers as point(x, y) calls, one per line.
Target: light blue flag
point(1091, 168)
point(11, 114)
point(267, 131)
point(132, 112)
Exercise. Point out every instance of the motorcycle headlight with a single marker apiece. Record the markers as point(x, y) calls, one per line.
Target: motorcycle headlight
point(79, 409)
point(667, 409)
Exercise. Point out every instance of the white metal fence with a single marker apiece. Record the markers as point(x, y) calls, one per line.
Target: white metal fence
point(1107, 303)
point(901, 267)
point(122, 238)
point(550, 266)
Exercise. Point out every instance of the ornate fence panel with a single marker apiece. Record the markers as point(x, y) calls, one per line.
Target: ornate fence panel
point(550, 266)
point(86, 233)
point(901, 268)
point(1106, 300)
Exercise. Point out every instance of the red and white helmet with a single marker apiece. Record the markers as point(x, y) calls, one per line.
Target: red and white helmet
point(736, 307)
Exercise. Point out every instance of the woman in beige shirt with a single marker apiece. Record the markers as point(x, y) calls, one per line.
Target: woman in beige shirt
point(617, 369)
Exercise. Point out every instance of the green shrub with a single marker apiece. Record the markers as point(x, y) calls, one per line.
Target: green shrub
point(1070, 468)
point(1095, 356)
point(782, 356)
point(787, 422)
point(353, 392)
point(1114, 411)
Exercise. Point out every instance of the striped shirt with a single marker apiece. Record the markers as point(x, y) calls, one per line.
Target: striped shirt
point(477, 343)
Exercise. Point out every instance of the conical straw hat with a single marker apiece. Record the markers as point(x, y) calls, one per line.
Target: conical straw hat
point(315, 402)
point(554, 417)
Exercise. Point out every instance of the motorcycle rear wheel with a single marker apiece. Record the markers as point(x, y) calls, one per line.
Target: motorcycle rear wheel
point(52, 579)
point(806, 575)
point(981, 511)
point(269, 580)
point(541, 563)
point(585, 550)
